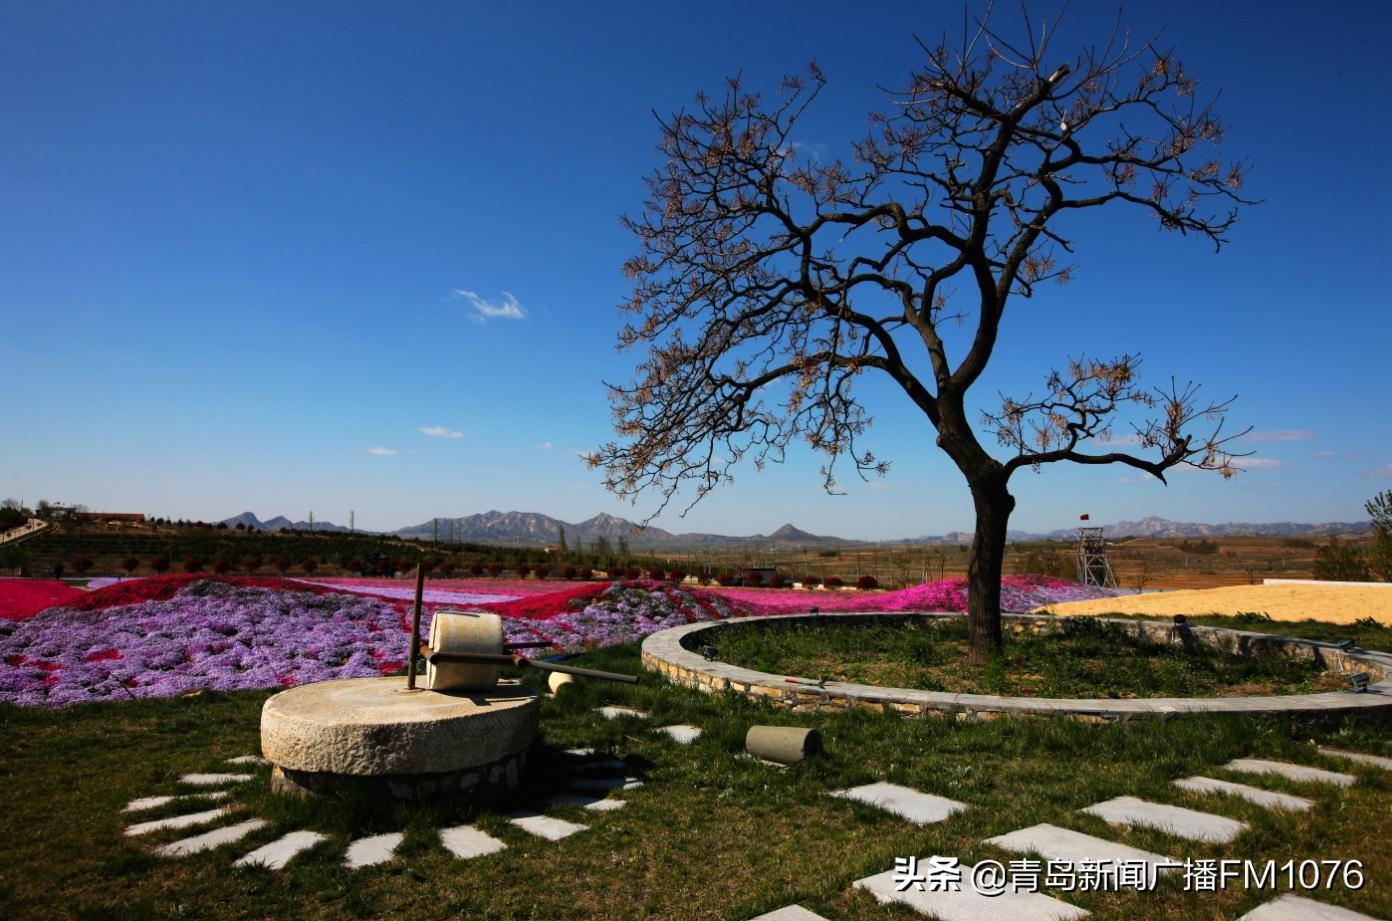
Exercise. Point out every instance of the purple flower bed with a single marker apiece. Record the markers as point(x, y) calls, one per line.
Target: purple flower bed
point(221, 637)
point(620, 614)
point(433, 596)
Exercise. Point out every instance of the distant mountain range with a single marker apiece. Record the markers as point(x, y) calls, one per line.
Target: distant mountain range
point(535, 529)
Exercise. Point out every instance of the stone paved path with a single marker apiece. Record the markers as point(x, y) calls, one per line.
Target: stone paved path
point(247, 759)
point(614, 713)
point(278, 853)
point(1063, 844)
point(465, 842)
point(968, 904)
point(368, 852)
point(210, 839)
point(1374, 760)
point(213, 780)
point(150, 802)
point(682, 733)
point(790, 913)
point(905, 802)
point(1298, 908)
point(545, 826)
point(1268, 798)
point(1174, 820)
point(178, 821)
point(595, 803)
point(1297, 772)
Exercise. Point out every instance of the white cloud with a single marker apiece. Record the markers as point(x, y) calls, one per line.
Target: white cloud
point(583, 455)
point(1336, 455)
point(439, 431)
point(1379, 472)
point(1129, 439)
point(546, 446)
point(485, 310)
point(1281, 435)
point(1258, 463)
point(380, 451)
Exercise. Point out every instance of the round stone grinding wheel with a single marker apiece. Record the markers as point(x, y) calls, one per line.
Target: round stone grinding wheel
point(458, 631)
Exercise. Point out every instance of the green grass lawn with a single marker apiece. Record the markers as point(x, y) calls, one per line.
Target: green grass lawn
point(1086, 658)
point(710, 835)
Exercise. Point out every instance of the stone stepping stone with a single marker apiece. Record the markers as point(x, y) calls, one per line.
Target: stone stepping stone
point(544, 826)
point(1374, 760)
point(210, 839)
point(1267, 798)
point(614, 713)
point(685, 735)
point(905, 802)
point(1297, 908)
point(580, 752)
point(368, 852)
point(605, 783)
point(466, 842)
point(1298, 772)
point(790, 913)
point(178, 821)
point(967, 904)
point(247, 759)
point(278, 853)
point(1063, 844)
point(607, 804)
point(150, 802)
point(1175, 820)
point(213, 780)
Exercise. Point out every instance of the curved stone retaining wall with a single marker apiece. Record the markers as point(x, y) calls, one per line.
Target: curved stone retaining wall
point(673, 653)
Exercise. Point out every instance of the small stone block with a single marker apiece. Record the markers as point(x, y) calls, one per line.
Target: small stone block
point(587, 802)
point(247, 759)
point(150, 802)
point(1063, 844)
point(614, 713)
point(605, 783)
point(544, 826)
point(178, 821)
point(790, 913)
point(905, 802)
point(1185, 823)
point(281, 851)
point(1267, 798)
point(1297, 772)
point(368, 852)
point(213, 780)
point(210, 839)
point(967, 904)
point(1374, 760)
point(1298, 908)
point(580, 752)
point(686, 735)
point(465, 841)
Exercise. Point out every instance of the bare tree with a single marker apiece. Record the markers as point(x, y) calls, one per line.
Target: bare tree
point(769, 280)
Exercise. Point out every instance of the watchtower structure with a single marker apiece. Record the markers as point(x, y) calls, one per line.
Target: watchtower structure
point(1093, 568)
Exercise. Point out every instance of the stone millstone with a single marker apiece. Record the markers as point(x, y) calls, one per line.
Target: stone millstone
point(422, 742)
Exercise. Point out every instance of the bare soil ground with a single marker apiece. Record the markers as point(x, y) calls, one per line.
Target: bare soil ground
point(1336, 604)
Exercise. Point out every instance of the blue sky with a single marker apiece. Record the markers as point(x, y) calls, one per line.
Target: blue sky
point(234, 242)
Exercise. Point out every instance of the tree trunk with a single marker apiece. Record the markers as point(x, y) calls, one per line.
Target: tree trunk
point(994, 503)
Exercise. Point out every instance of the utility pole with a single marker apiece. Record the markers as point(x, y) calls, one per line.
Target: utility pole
point(352, 527)
point(311, 521)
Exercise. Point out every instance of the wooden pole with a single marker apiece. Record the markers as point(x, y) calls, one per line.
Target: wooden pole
point(415, 628)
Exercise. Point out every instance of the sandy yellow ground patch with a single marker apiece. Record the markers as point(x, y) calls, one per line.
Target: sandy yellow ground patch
point(1335, 604)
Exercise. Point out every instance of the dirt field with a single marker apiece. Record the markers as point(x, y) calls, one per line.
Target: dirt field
point(1336, 604)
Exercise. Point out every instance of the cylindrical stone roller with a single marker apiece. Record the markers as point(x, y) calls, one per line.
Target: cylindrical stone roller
point(457, 631)
point(782, 744)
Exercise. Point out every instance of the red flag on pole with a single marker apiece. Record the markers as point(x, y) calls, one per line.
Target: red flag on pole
point(1082, 517)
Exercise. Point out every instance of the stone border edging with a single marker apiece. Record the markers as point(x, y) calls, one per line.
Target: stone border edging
point(667, 652)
